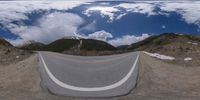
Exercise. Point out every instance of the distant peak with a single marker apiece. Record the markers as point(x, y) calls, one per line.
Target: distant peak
point(72, 37)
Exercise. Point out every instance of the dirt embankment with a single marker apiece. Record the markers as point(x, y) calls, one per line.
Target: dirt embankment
point(175, 45)
point(157, 81)
point(11, 55)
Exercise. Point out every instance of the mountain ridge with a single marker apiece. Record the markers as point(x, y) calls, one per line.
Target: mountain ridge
point(171, 44)
point(3, 42)
point(71, 46)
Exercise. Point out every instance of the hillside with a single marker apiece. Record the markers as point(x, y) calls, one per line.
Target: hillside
point(175, 45)
point(4, 43)
point(73, 46)
point(89, 47)
point(90, 44)
point(10, 54)
point(32, 46)
point(61, 45)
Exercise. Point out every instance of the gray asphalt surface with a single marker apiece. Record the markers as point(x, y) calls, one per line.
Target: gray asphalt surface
point(88, 72)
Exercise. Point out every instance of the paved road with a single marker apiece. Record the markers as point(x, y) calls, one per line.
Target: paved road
point(103, 76)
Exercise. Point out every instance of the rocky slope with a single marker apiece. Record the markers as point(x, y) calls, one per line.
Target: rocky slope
point(4, 43)
point(10, 54)
point(175, 45)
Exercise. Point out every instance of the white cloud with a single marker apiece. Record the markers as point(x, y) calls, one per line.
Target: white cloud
point(16, 10)
point(190, 11)
point(127, 39)
point(143, 8)
point(89, 27)
point(124, 40)
point(110, 11)
point(50, 28)
point(100, 35)
point(104, 11)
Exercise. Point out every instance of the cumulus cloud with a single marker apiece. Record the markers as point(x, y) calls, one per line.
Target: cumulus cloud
point(104, 11)
point(190, 10)
point(50, 28)
point(110, 11)
point(144, 8)
point(89, 27)
point(17, 10)
point(128, 39)
point(124, 40)
point(100, 35)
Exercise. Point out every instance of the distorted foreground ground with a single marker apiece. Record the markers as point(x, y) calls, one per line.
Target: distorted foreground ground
point(10, 55)
point(157, 81)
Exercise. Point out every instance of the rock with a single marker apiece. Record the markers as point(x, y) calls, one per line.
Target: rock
point(17, 57)
point(187, 59)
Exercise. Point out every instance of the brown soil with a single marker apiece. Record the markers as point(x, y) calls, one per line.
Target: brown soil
point(10, 55)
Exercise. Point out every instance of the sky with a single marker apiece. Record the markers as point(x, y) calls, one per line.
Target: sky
point(115, 22)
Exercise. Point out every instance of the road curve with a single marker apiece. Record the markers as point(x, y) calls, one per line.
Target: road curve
point(103, 76)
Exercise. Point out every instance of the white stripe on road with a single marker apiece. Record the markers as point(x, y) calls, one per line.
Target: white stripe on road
point(64, 85)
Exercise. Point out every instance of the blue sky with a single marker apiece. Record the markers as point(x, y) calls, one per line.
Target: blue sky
point(118, 23)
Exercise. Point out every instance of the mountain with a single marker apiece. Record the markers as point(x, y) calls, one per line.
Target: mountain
point(121, 47)
point(61, 45)
point(9, 54)
point(32, 45)
point(171, 44)
point(91, 44)
point(4, 43)
point(70, 44)
point(157, 42)
point(90, 47)
point(72, 37)
point(56, 46)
